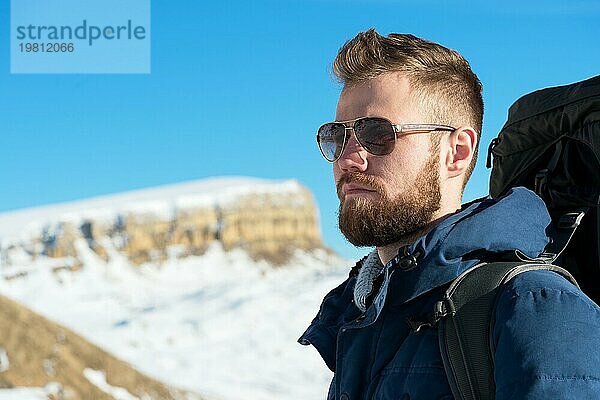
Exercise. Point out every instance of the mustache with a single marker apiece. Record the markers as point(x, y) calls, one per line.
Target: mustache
point(362, 179)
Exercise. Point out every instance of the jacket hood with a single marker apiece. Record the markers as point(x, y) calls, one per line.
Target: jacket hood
point(518, 220)
point(483, 229)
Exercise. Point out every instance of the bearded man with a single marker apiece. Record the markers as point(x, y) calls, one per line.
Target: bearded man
point(403, 145)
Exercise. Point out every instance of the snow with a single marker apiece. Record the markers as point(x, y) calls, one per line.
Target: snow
point(4, 362)
point(23, 394)
point(98, 379)
point(220, 324)
point(28, 393)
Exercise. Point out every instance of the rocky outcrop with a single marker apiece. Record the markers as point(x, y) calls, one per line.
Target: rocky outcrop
point(267, 219)
point(36, 352)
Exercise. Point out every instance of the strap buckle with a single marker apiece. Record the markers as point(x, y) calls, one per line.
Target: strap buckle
point(570, 220)
point(541, 179)
point(441, 309)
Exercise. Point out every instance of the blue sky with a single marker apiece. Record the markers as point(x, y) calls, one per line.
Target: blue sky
point(239, 88)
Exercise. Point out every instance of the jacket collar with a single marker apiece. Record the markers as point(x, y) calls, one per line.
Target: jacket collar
point(518, 220)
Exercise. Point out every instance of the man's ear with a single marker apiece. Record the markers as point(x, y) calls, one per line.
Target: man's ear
point(461, 148)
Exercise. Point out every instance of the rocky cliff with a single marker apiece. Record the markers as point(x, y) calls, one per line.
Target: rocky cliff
point(268, 219)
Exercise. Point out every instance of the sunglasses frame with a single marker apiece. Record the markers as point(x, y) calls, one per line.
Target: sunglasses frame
point(399, 129)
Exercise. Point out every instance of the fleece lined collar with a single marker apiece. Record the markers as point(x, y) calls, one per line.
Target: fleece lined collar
point(370, 269)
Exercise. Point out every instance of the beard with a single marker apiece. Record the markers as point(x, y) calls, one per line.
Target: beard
point(384, 221)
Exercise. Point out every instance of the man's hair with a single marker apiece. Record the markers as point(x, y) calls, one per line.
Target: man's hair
point(441, 80)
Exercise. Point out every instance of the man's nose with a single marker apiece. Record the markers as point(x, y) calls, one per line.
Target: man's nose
point(354, 156)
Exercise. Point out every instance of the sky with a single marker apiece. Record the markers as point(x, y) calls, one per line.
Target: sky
point(240, 87)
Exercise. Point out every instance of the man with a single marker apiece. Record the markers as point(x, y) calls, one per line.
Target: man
point(403, 146)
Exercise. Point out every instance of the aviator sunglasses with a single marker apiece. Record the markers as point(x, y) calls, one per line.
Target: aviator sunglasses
point(375, 134)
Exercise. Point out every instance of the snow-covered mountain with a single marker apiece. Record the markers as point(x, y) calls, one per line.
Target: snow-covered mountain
point(222, 323)
point(268, 219)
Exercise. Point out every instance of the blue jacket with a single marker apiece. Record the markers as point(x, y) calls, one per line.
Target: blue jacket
point(546, 332)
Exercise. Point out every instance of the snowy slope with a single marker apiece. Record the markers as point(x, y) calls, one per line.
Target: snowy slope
point(221, 324)
point(29, 393)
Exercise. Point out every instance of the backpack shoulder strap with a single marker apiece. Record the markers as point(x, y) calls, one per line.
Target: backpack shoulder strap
point(464, 318)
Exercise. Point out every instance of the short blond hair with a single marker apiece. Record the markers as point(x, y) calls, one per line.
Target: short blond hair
point(445, 87)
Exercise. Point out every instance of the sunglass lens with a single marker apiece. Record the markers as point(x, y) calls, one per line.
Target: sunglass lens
point(376, 135)
point(331, 140)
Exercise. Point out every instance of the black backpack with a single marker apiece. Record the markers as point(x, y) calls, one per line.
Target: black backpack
point(549, 144)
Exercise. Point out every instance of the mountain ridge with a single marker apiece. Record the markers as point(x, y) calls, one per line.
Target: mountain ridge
point(269, 219)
